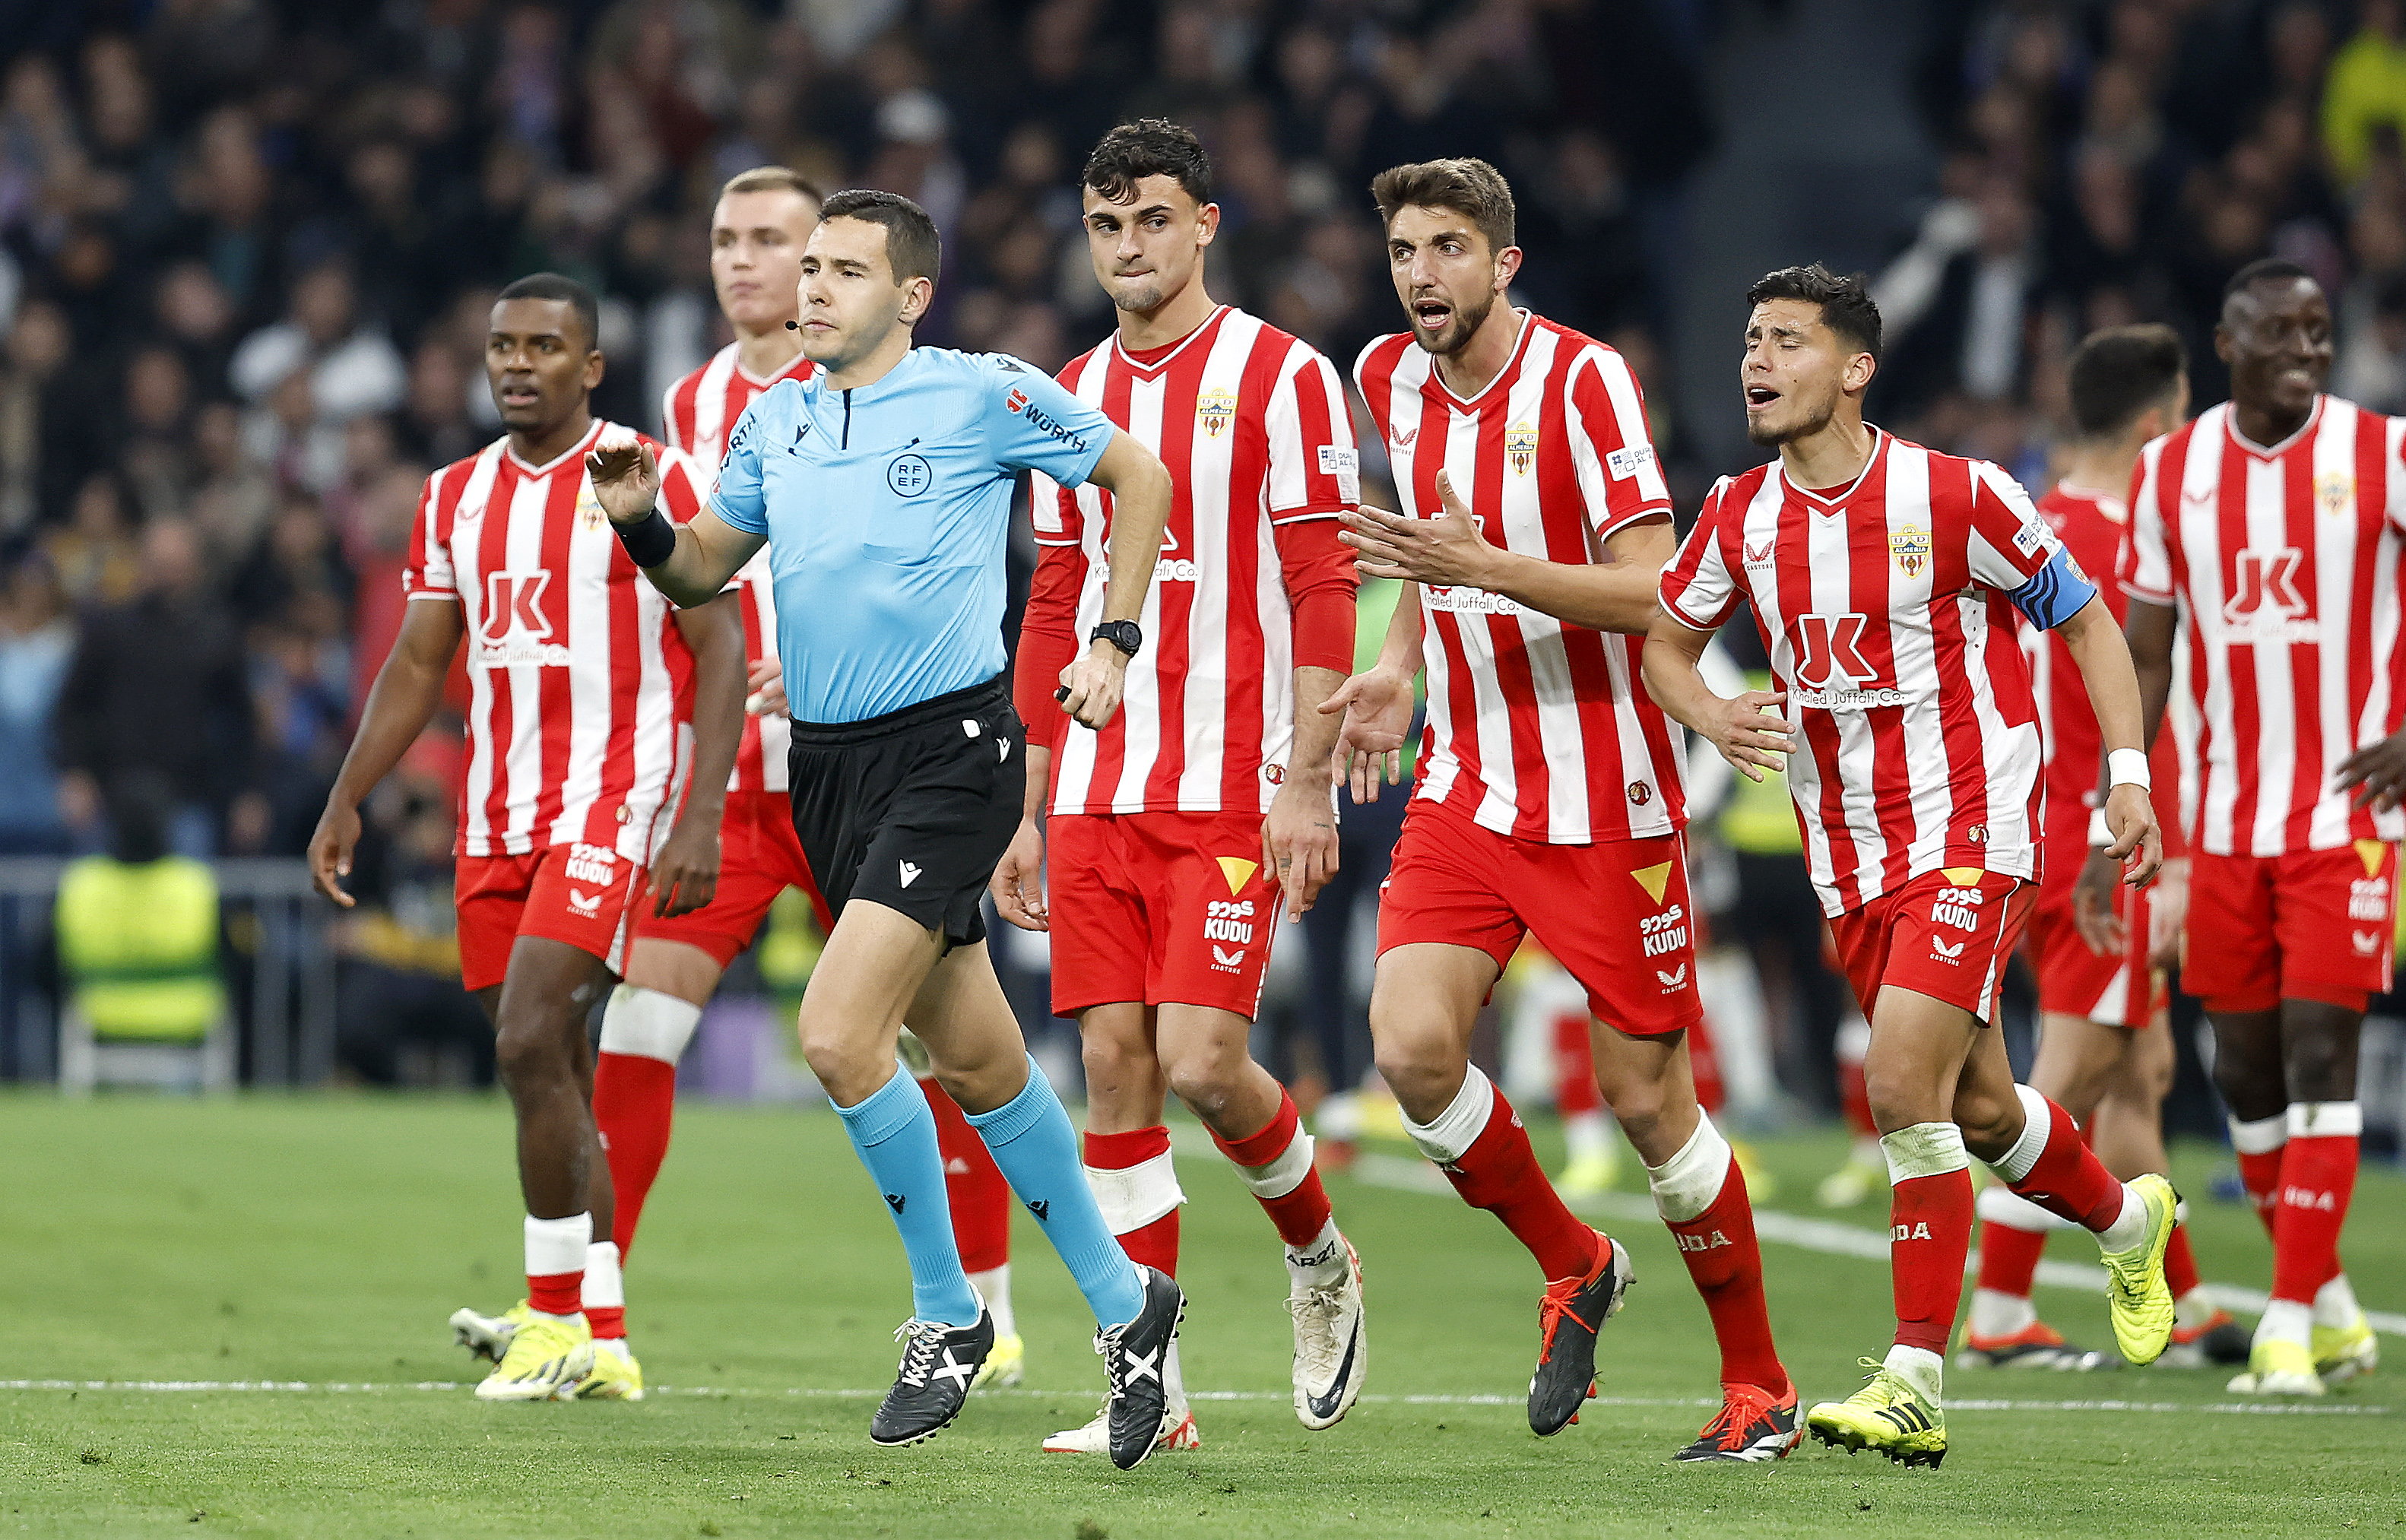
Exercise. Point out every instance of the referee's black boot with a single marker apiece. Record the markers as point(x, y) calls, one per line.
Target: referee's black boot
point(938, 1362)
point(1135, 1358)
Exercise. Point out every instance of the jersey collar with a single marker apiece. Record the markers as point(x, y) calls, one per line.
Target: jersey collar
point(1503, 375)
point(2230, 426)
point(2109, 503)
point(1831, 500)
point(592, 431)
point(1131, 361)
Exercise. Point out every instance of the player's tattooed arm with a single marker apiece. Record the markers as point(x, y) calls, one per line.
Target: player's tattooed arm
point(403, 698)
point(1376, 706)
point(1743, 729)
point(1140, 487)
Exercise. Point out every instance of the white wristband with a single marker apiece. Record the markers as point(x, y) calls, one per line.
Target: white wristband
point(2101, 833)
point(2128, 768)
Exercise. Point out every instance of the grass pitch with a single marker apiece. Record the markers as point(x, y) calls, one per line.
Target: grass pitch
point(315, 1247)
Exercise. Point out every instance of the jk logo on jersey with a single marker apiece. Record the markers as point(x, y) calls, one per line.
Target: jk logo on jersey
point(1829, 651)
point(2265, 604)
point(514, 628)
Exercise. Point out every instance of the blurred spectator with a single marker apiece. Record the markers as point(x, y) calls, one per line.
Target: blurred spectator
point(95, 554)
point(2371, 367)
point(2364, 95)
point(36, 641)
point(1967, 337)
point(157, 684)
point(350, 365)
point(38, 437)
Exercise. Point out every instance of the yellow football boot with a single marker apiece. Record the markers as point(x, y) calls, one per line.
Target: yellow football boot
point(548, 1359)
point(1887, 1415)
point(2140, 1300)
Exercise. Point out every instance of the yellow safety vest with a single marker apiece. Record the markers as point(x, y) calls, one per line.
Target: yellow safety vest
point(1760, 816)
point(139, 946)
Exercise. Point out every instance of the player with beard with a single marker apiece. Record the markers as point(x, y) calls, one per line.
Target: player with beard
point(2271, 531)
point(1550, 796)
point(576, 669)
point(1882, 579)
point(1181, 830)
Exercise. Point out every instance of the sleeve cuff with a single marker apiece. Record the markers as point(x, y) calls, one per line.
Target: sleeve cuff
point(1310, 511)
point(1652, 510)
point(1679, 613)
point(2149, 595)
point(733, 520)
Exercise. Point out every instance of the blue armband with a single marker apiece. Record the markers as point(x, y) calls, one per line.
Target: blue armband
point(2055, 593)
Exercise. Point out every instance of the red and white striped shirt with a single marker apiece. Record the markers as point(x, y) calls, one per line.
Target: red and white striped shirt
point(2092, 526)
point(576, 665)
point(1535, 729)
point(1882, 607)
point(1253, 425)
point(2284, 562)
point(697, 415)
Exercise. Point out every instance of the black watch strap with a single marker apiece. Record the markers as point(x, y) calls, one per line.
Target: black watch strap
point(1127, 635)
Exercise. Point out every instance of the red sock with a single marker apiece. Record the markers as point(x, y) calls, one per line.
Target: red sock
point(2317, 1180)
point(1574, 1088)
point(2260, 1173)
point(2068, 1180)
point(2180, 1267)
point(1726, 1264)
point(634, 1102)
point(1929, 1234)
point(1269, 1161)
point(980, 1198)
point(1154, 1243)
point(557, 1293)
point(607, 1320)
point(2009, 1258)
point(1499, 1173)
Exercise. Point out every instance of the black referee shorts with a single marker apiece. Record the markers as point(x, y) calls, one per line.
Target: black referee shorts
point(912, 810)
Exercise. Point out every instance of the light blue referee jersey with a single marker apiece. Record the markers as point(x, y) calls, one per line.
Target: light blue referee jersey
point(887, 510)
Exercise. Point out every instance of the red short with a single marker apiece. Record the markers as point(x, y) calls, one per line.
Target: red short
point(1947, 934)
point(759, 858)
point(2314, 924)
point(1616, 914)
point(2116, 989)
point(578, 893)
point(1166, 907)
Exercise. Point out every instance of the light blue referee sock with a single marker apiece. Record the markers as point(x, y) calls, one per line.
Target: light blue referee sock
point(1033, 1143)
point(896, 1135)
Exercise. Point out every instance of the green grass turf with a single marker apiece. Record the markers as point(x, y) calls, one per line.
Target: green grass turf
point(325, 1240)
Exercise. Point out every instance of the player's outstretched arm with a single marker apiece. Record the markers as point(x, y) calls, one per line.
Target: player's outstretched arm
point(2107, 671)
point(686, 875)
point(1743, 729)
point(1140, 487)
point(1376, 706)
point(690, 563)
point(400, 703)
point(1616, 594)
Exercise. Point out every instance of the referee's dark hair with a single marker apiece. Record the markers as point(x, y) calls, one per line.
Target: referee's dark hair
point(912, 248)
point(2117, 373)
point(568, 291)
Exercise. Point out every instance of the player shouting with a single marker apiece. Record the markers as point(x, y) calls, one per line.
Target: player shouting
point(574, 720)
point(1550, 796)
point(2271, 529)
point(1181, 830)
point(881, 490)
point(757, 229)
point(1880, 575)
point(2106, 1050)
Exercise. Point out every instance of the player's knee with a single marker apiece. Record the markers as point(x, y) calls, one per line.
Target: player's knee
point(1639, 1102)
point(2317, 1067)
point(1419, 1067)
point(530, 1053)
point(1898, 1098)
point(1991, 1122)
point(1204, 1083)
point(842, 1063)
point(1114, 1058)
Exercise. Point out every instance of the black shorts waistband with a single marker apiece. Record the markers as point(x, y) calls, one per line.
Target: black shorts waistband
point(976, 700)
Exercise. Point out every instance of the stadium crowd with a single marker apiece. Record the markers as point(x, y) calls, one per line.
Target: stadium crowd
point(248, 247)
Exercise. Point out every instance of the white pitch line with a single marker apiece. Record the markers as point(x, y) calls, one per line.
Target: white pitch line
point(762, 1392)
point(1825, 1236)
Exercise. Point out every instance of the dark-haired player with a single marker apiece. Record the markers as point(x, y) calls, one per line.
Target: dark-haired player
point(882, 488)
point(575, 671)
point(1549, 793)
point(2105, 1051)
point(2270, 531)
point(1180, 829)
point(1883, 578)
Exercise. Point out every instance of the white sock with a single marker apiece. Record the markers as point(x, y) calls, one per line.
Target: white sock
point(1338, 1116)
point(1173, 1383)
point(2335, 1303)
point(1691, 1181)
point(1449, 1136)
point(606, 1285)
point(2038, 1121)
point(648, 1024)
point(2286, 1320)
point(2193, 1309)
point(1588, 1135)
point(1328, 1264)
point(1919, 1367)
point(2130, 1228)
point(995, 1284)
point(556, 1245)
point(1998, 1314)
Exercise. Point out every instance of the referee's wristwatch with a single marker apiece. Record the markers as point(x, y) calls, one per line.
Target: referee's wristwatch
point(1127, 635)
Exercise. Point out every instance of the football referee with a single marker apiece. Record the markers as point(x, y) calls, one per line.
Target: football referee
point(882, 487)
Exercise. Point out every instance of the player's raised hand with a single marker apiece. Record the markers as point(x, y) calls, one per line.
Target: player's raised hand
point(1748, 731)
point(2378, 773)
point(330, 850)
point(1091, 685)
point(2138, 843)
point(625, 477)
point(1448, 550)
point(764, 687)
point(1378, 707)
point(1018, 882)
